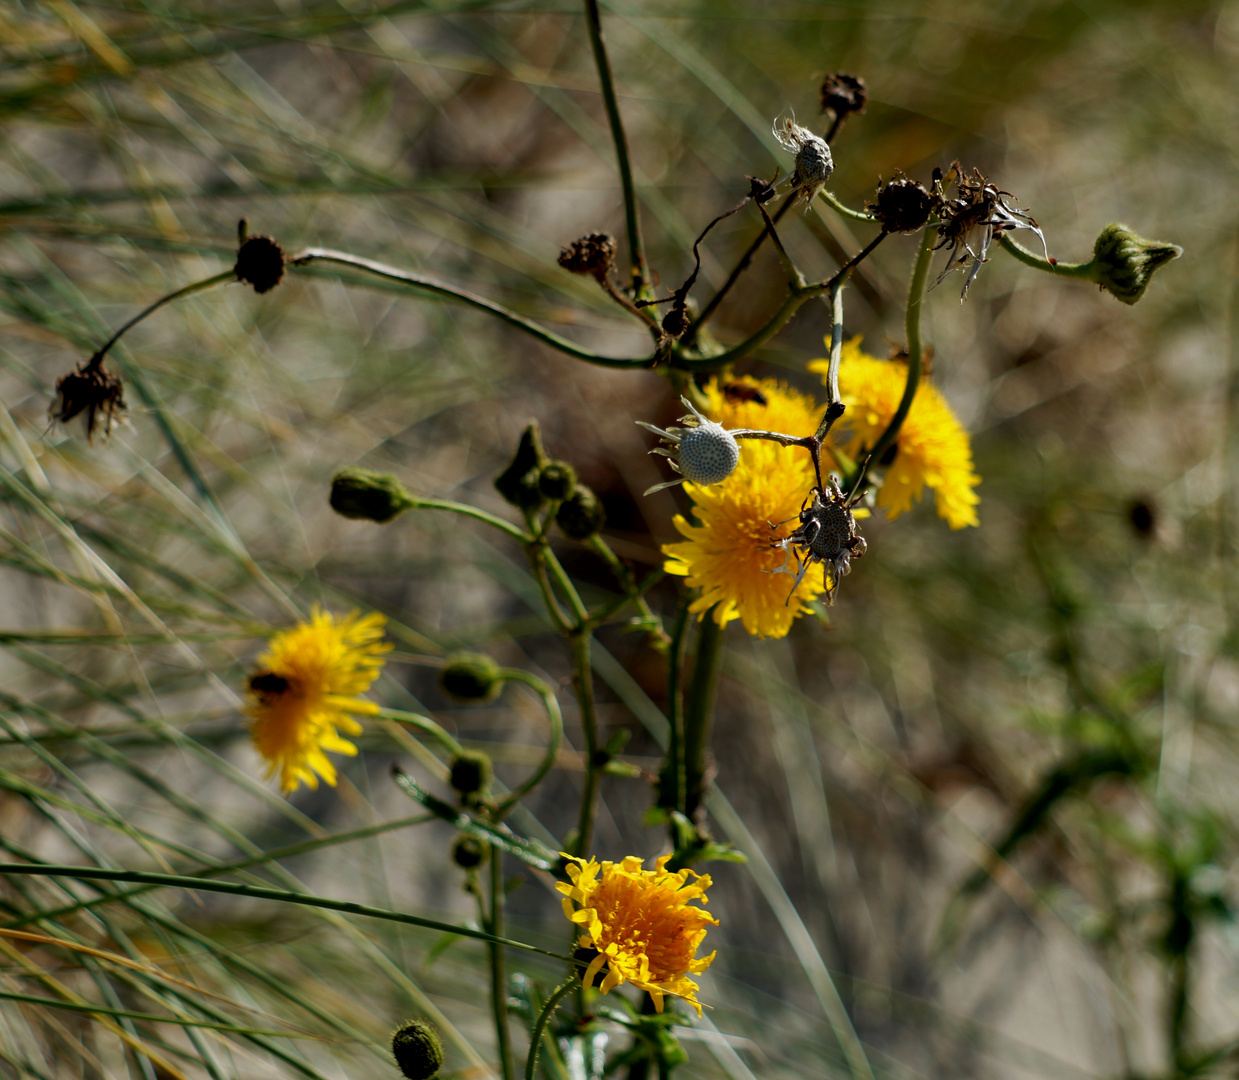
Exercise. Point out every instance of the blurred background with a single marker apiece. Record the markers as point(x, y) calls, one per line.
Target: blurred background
point(1059, 683)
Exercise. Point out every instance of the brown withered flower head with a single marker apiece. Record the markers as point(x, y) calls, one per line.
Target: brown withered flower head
point(593, 254)
point(843, 94)
point(814, 163)
point(91, 390)
point(260, 262)
point(970, 221)
point(902, 205)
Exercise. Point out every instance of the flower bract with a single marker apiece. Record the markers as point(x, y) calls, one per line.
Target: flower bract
point(729, 551)
point(304, 694)
point(932, 449)
point(641, 924)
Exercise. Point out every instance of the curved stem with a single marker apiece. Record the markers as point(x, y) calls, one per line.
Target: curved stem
point(258, 892)
point(912, 327)
point(632, 215)
point(1087, 271)
point(553, 714)
point(514, 531)
point(844, 211)
point(539, 1028)
point(423, 724)
point(632, 591)
point(188, 290)
point(451, 292)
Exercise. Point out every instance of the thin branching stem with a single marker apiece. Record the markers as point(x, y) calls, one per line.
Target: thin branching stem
point(1086, 271)
point(674, 781)
point(539, 1028)
point(632, 213)
point(583, 684)
point(555, 718)
point(423, 724)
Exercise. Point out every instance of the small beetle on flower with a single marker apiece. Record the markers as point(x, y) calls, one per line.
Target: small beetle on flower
point(704, 452)
point(827, 534)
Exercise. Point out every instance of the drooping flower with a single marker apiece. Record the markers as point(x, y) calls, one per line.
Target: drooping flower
point(641, 925)
point(303, 693)
point(814, 162)
point(730, 551)
point(932, 449)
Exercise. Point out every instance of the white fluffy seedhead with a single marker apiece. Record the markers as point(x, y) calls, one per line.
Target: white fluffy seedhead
point(704, 452)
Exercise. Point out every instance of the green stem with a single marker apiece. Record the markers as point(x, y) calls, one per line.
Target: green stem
point(632, 216)
point(699, 714)
point(178, 881)
point(583, 682)
point(494, 522)
point(424, 724)
point(672, 796)
point(561, 578)
point(188, 290)
point(912, 327)
point(539, 1028)
point(1087, 271)
point(498, 967)
point(451, 292)
point(632, 591)
point(844, 211)
point(553, 714)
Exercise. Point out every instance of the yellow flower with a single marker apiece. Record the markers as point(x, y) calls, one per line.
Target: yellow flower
point(304, 689)
point(932, 449)
point(641, 924)
point(728, 552)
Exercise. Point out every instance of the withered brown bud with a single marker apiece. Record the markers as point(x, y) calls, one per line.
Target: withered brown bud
point(675, 322)
point(902, 206)
point(843, 94)
point(92, 390)
point(593, 254)
point(260, 262)
point(760, 190)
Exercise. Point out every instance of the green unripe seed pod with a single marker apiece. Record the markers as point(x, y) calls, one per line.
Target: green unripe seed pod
point(418, 1050)
point(518, 483)
point(581, 515)
point(368, 496)
point(471, 677)
point(557, 480)
point(468, 853)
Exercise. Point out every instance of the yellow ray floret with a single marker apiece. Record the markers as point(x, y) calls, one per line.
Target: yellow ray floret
point(727, 550)
point(932, 449)
point(641, 925)
point(306, 687)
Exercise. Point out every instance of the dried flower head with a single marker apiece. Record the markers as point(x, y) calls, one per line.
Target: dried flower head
point(639, 925)
point(814, 163)
point(843, 94)
point(970, 220)
point(902, 205)
point(827, 535)
point(593, 254)
point(704, 452)
point(92, 390)
point(304, 693)
point(260, 262)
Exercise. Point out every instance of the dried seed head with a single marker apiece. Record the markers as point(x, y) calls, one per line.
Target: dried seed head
point(418, 1050)
point(92, 390)
point(593, 254)
point(1125, 262)
point(843, 94)
point(675, 322)
point(368, 496)
point(902, 206)
point(260, 262)
point(814, 163)
point(471, 677)
point(704, 452)
point(580, 515)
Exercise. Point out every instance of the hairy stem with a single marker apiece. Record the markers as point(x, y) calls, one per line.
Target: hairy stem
point(1087, 271)
point(539, 1028)
point(583, 684)
point(498, 968)
point(699, 713)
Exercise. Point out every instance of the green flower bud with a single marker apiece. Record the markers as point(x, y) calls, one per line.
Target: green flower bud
point(471, 677)
point(471, 772)
point(518, 483)
point(581, 515)
point(417, 1049)
point(1124, 262)
point(369, 496)
point(468, 852)
point(557, 480)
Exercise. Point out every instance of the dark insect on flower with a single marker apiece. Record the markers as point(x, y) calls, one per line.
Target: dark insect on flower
point(903, 206)
point(92, 390)
point(843, 94)
point(260, 262)
point(267, 682)
point(741, 393)
point(827, 534)
point(970, 220)
point(593, 254)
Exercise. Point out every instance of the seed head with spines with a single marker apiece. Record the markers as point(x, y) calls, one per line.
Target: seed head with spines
point(703, 452)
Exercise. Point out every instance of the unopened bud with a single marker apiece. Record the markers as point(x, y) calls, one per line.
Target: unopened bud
point(1124, 262)
point(418, 1050)
point(518, 483)
point(260, 262)
point(468, 853)
point(581, 515)
point(471, 677)
point(471, 772)
point(557, 480)
point(368, 496)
